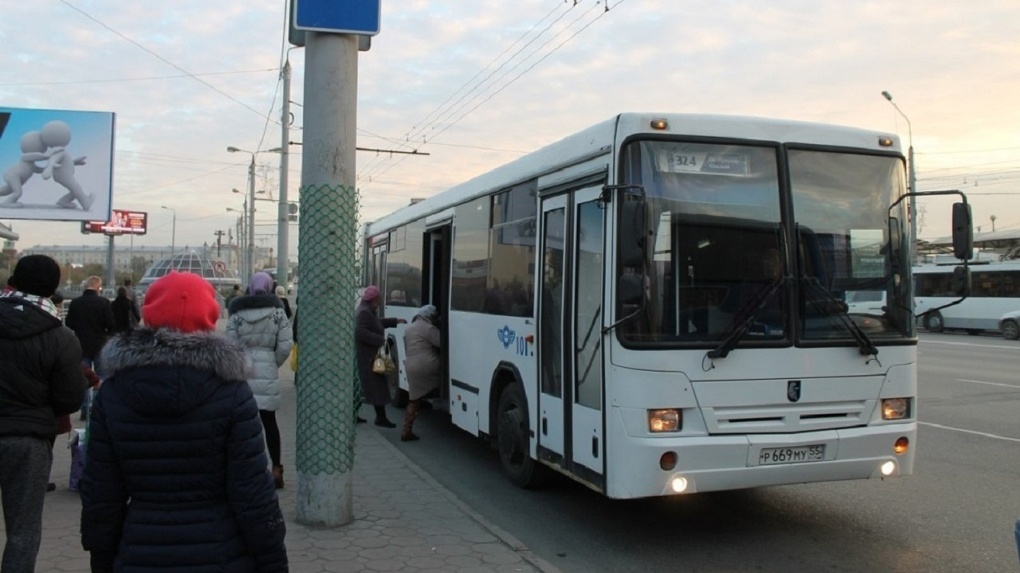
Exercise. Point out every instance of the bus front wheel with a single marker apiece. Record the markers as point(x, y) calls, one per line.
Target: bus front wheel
point(513, 440)
point(933, 322)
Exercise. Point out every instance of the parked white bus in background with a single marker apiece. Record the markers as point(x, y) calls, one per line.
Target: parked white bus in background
point(995, 290)
point(656, 305)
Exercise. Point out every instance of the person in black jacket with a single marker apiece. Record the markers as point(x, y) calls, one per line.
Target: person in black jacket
point(90, 316)
point(125, 313)
point(40, 380)
point(176, 477)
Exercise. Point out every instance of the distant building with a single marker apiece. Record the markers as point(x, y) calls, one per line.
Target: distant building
point(137, 258)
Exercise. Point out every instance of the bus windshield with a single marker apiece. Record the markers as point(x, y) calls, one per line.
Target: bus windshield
point(721, 256)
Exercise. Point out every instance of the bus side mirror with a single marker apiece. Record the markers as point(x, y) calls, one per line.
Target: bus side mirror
point(963, 232)
point(631, 290)
point(961, 281)
point(634, 232)
point(895, 240)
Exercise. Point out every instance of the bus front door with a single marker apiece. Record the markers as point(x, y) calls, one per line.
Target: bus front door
point(588, 269)
point(552, 330)
point(570, 421)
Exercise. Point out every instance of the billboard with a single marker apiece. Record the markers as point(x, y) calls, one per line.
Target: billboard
point(57, 165)
point(120, 223)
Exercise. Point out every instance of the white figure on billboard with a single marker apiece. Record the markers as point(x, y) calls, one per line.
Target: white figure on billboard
point(56, 135)
point(15, 177)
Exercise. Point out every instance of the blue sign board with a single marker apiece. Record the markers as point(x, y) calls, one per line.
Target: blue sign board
point(360, 17)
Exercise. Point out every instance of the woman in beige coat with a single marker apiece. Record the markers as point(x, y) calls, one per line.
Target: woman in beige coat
point(421, 363)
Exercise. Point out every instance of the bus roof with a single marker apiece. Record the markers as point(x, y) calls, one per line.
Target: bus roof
point(600, 138)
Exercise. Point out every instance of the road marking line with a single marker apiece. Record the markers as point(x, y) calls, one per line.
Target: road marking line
point(985, 434)
point(988, 383)
point(970, 344)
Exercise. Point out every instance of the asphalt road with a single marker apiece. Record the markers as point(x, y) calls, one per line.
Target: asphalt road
point(955, 514)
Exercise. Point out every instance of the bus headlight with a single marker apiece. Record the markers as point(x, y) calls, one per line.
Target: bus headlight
point(666, 420)
point(895, 408)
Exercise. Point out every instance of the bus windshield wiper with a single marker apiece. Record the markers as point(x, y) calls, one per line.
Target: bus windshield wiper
point(755, 306)
point(864, 343)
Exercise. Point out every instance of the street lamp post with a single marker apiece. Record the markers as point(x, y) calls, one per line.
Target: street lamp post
point(283, 213)
point(242, 235)
point(911, 174)
point(250, 258)
point(173, 232)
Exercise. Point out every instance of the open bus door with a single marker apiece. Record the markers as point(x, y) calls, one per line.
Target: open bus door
point(436, 291)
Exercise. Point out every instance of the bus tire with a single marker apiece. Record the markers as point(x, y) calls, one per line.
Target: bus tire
point(512, 438)
point(933, 322)
point(1010, 330)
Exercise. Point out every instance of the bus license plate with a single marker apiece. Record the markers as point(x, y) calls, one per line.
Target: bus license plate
point(793, 455)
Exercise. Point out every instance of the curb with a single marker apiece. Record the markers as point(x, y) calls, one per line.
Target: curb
point(504, 536)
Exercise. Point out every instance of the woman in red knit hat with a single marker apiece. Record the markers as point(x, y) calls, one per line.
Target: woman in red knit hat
point(175, 476)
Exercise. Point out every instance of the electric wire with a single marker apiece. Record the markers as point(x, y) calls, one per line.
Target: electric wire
point(138, 79)
point(398, 161)
point(161, 58)
point(439, 110)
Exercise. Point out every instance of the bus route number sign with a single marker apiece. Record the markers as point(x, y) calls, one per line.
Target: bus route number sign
point(794, 455)
point(736, 165)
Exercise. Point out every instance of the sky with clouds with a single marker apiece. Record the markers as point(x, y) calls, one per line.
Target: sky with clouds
point(477, 83)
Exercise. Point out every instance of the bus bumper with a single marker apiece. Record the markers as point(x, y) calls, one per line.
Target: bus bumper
point(724, 462)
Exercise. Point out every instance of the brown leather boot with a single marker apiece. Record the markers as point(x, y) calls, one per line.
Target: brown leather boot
point(278, 476)
point(409, 416)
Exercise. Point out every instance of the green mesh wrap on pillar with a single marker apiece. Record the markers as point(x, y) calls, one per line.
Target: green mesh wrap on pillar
point(328, 391)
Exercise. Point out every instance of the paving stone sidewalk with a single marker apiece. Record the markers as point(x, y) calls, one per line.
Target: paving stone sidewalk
point(403, 519)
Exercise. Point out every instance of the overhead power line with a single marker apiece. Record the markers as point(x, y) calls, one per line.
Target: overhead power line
point(464, 105)
point(162, 59)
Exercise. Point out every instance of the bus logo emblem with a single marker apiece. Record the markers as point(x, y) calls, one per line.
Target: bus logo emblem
point(506, 336)
point(793, 390)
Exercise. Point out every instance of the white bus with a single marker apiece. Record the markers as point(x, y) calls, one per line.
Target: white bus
point(656, 304)
point(995, 291)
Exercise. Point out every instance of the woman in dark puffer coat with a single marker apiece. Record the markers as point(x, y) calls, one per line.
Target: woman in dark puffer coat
point(176, 473)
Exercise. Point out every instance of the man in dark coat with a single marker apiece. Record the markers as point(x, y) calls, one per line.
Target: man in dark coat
point(125, 313)
point(40, 380)
point(90, 316)
point(369, 336)
point(129, 291)
point(176, 475)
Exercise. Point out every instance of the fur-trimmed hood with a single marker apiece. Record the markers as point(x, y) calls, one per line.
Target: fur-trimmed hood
point(250, 301)
point(164, 347)
point(169, 373)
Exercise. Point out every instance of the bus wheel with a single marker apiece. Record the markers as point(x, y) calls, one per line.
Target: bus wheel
point(512, 438)
point(933, 322)
point(1010, 330)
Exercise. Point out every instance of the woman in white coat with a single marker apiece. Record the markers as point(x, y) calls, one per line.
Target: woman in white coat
point(258, 321)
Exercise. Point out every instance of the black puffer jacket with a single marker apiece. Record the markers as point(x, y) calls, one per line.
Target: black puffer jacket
point(40, 370)
point(176, 475)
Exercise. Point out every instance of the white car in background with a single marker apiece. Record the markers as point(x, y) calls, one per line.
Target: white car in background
point(1009, 325)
